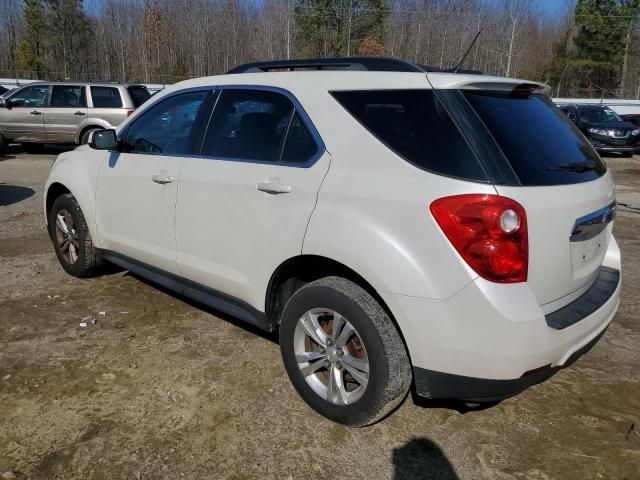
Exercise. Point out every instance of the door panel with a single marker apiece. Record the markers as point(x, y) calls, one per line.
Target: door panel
point(24, 122)
point(135, 211)
point(232, 232)
point(67, 107)
point(244, 209)
point(136, 194)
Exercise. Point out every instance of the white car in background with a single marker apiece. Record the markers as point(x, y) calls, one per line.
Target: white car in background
point(399, 226)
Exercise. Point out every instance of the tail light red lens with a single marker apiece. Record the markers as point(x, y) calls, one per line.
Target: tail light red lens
point(489, 232)
point(130, 112)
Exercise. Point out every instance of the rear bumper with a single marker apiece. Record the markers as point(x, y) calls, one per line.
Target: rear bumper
point(491, 341)
point(430, 384)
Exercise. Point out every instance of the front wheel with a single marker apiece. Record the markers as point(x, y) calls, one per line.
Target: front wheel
point(71, 238)
point(343, 353)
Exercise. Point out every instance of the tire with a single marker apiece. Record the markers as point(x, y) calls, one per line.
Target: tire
point(85, 136)
point(389, 370)
point(87, 262)
point(627, 154)
point(3, 143)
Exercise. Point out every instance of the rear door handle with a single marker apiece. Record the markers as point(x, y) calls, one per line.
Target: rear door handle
point(36, 112)
point(162, 179)
point(79, 113)
point(273, 188)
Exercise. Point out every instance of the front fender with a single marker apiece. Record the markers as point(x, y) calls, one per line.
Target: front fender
point(77, 171)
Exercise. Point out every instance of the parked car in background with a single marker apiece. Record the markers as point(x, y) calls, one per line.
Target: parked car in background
point(345, 207)
point(65, 112)
point(3, 90)
point(632, 118)
point(604, 128)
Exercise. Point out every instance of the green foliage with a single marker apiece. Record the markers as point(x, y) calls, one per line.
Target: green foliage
point(329, 28)
point(30, 54)
point(590, 62)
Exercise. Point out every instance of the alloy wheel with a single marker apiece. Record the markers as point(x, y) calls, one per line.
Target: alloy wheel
point(331, 356)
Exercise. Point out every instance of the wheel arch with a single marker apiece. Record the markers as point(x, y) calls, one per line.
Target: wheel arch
point(91, 124)
point(297, 271)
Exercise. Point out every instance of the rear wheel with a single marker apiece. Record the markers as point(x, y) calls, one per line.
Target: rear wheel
point(71, 238)
point(343, 353)
point(3, 143)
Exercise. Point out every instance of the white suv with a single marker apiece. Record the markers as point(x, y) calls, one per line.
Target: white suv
point(399, 226)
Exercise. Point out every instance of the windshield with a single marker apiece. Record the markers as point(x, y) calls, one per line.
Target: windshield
point(598, 115)
point(542, 145)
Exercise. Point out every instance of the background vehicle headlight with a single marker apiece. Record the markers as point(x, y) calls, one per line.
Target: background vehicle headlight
point(635, 132)
point(599, 131)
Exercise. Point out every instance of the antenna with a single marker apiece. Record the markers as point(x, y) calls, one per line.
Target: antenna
point(464, 57)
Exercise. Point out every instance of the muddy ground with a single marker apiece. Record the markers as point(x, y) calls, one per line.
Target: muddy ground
point(159, 387)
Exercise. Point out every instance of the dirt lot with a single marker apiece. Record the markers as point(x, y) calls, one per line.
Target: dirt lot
point(161, 388)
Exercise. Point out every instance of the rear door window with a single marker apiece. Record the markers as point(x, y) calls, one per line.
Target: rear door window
point(68, 96)
point(415, 125)
point(106, 97)
point(248, 125)
point(139, 95)
point(540, 142)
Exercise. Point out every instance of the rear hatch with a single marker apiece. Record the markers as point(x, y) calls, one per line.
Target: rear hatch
point(556, 176)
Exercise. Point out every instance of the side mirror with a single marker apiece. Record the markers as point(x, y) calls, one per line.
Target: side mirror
point(103, 140)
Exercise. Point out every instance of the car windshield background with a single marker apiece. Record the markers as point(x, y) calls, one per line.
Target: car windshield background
point(139, 95)
point(167, 126)
point(68, 96)
point(106, 97)
point(597, 115)
point(415, 125)
point(248, 125)
point(30, 97)
point(540, 142)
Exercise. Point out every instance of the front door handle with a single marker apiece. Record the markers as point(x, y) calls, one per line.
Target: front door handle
point(79, 113)
point(162, 179)
point(273, 188)
point(36, 112)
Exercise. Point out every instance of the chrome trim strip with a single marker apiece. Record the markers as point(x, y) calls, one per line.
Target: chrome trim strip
point(593, 224)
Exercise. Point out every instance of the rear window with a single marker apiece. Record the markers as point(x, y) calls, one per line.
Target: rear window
point(139, 95)
point(415, 125)
point(542, 145)
point(106, 97)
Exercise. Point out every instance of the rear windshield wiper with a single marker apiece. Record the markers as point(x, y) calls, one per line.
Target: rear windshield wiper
point(573, 167)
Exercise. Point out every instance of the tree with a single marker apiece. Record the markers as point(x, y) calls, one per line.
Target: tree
point(30, 55)
point(330, 28)
point(71, 36)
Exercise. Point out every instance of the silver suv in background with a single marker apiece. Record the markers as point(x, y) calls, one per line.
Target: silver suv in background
point(65, 112)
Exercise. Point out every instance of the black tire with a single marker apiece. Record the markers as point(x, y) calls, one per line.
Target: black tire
point(85, 136)
point(627, 154)
point(389, 376)
point(3, 143)
point(89, 262)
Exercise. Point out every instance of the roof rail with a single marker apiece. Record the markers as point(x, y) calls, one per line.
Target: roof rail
point(375, 64)
point(372, 64)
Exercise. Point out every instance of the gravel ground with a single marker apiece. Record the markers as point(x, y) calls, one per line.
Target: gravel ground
point(159, 387)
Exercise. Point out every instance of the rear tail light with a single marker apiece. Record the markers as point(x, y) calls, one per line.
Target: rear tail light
point(130, 112)
point(489, 232)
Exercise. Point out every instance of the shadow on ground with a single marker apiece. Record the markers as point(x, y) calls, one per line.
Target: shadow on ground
point(10, 194)
point(421, 459)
